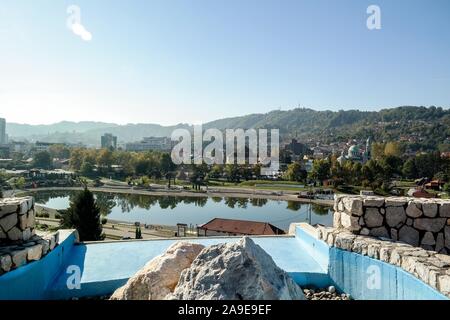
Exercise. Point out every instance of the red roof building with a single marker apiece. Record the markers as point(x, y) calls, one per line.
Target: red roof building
point(237, 227)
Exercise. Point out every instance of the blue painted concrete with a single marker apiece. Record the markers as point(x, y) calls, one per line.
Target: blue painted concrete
point(369, 279)
point(32, 281)
point(106, 266)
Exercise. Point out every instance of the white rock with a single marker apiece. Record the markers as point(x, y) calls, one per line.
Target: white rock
point(353, 205)
point(350, 222)
point(337, 220)
point(34, 252)
point(236, 271)
point(5, 263)
point(159, 277)
point(19, 257)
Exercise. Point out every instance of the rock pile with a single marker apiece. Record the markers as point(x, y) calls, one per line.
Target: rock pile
point(418, 222)
point(236, 271)
point(329, 293)
point(159, 277)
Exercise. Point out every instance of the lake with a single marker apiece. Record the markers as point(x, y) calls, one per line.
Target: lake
point(170, 210)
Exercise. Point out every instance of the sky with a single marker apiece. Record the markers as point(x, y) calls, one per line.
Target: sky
point(193, 61)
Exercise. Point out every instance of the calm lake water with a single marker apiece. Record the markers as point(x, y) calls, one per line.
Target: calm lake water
point(170, 210)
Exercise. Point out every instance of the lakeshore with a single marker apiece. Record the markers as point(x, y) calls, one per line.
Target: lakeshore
point(117, 228)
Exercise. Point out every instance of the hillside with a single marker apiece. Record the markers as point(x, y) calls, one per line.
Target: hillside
point(426, 127)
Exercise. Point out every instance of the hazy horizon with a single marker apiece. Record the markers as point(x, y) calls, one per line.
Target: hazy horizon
point(187, 123)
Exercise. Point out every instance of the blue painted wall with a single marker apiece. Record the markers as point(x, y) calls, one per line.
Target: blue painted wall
point(107, 266)
point(369, 279)
point(31, 282)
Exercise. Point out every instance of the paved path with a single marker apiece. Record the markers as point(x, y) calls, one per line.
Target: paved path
point(212, 192)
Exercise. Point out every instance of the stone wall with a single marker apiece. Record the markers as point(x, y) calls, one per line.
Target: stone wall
point(19, 244)
point(17, 219)
point(418, 222)
point(430, 267)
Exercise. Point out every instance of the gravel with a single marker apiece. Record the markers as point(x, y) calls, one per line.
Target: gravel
point(329, 293)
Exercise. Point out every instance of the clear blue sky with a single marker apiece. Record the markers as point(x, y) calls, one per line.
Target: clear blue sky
point(198, 60)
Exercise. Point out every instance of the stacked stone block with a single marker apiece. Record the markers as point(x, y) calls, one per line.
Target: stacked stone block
point(18, 243)
point(17, 220)
point(418, 222)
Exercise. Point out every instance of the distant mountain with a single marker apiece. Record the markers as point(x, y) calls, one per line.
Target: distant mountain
point(426, 127)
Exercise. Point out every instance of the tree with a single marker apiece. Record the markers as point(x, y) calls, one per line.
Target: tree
point(59, 151)
point(393, 149)
point(321, 170)
point(409, 169)
point(87, 168)
point(84, 215)
point(105, 160)
point(138, 233)
point(42, 160)
point(76, 158)
point(295, 172)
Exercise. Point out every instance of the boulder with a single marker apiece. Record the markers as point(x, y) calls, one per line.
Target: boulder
point(19, 257)
point(159, 277)
point(15, 234)
point(439, 242)
point(34, 252)
point(409, 235)
point(444, 210)
point(353, 205)
point(430, 209)
point(414, 210)
point(428, 239)
point(373, 202)
point(373, 218)
point(395, 202)
point(350, 222)
point(236, 271)
point(5, 263)
point(380, 232)
point(430, 224)
point(395, 216)
point(8, 222)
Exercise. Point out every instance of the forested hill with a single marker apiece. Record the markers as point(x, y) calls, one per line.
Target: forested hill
point(426, 127)
point(429, 127)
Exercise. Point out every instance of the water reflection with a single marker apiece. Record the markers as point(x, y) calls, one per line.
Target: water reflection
point(196, 210)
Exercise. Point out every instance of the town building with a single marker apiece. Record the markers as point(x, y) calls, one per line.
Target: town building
point(109, 141)
point(3, 137)
point(357, 154)
point(42, 146)
point(151, 143)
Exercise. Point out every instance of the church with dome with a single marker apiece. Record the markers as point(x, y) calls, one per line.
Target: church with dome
point(357, 154)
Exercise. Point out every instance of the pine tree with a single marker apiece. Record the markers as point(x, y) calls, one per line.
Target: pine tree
point(84, 215)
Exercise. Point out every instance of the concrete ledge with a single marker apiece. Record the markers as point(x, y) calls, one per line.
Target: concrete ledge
point(428, 266)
